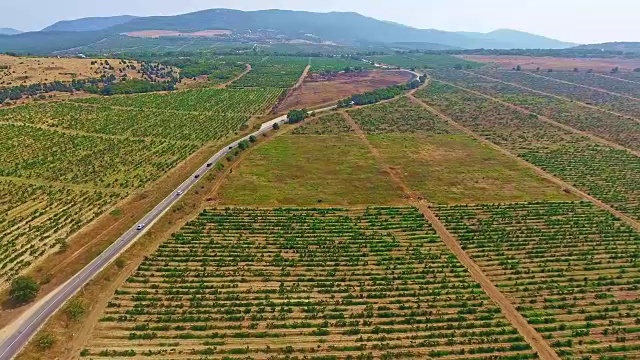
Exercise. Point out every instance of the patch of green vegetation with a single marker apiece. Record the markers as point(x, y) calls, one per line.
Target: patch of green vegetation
point(310, 170)
point(456, 169)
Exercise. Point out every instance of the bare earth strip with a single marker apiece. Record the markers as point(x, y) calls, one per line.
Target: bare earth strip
point(554, 96)
point(634, 223)
point(547, 120)
point(534, 338)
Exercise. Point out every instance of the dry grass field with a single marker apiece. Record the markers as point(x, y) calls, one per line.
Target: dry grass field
point(16, 71)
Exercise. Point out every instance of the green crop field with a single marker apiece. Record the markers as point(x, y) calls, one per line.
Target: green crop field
point(273, 72)
point(571, 269)
point(62, 164)
point(374, 283)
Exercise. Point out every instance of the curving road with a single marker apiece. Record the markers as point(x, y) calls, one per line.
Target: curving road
point(15, 339)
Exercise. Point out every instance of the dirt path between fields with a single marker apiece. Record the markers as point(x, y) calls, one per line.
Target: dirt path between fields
point(534, 338)
point(554, 96)
point(305, 72)
point(632, 222)
point(616, 78)
point(245, 72)
point(548, 120)
point(584, 86)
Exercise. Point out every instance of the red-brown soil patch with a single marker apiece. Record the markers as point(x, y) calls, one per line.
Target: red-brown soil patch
point(321, 89)
point(555, 63)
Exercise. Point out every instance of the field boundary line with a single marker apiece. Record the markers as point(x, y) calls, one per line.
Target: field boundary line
point(532, 337)
point(616, 78)
point(238, 77)
point(558, 181)
point(584, 86)
point(104, 136)
point(547, 120)
point(552, 95)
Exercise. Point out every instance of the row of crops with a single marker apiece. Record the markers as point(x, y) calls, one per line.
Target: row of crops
point(620, 104)
point(221, 101)
point(572, 270)
point(617, 129)
point(609, 174)
point(36, 220)
point(332, 124)
point(304, 283)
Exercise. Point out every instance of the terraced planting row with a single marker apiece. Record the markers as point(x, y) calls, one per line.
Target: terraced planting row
point(36, 220)
point(572, 269)
point(620, 130)
point(608, 174)
point(219, 101)
point(45, 155)
point(620, 104)
point(294, 283)
point(273, 72)
point(596, 81)
point(197, 128)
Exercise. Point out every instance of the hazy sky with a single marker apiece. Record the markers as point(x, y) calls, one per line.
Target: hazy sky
point(583, 21)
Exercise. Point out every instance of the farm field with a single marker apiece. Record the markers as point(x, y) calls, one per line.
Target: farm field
point(65, 163)
point(286, 283)
point(606, 173)
point(321, 89)
point(443, 165)
point(556, 63)
point(223, 101)
point(619, 104)
point(620, 130)
point(598, 81)
point(304, 169)
point(273, 72)
point(36, 219)
point(328, 64)
point(571, 269)
point(16, 71)
point(424, 61)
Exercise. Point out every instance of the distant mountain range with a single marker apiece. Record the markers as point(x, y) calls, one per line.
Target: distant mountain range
point(346, 28)
point(89, 24)
point(9, 31)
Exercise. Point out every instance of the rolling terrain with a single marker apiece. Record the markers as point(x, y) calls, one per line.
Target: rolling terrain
point(479, 213)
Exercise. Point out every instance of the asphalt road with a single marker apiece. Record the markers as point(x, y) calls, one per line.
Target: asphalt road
point(12, 342)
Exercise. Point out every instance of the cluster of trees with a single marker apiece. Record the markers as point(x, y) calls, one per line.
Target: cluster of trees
point(296, 116)
point(378, 95)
